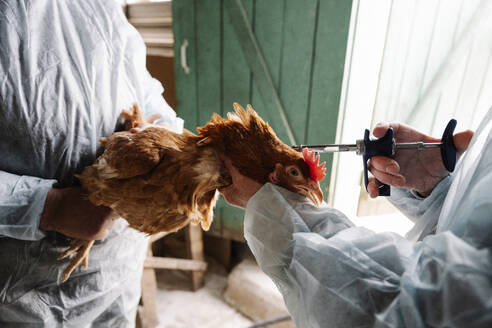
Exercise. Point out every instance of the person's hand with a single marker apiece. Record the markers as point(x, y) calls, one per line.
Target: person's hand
point(135, 122)
point(69, 212)
point(411, 169)
point(241, 189)
point(148, 123)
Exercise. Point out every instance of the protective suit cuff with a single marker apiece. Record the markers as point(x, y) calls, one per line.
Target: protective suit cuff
point(258, 196)
point(22, 202)
point(32, 231)
point(296, 211)
point(266, 191)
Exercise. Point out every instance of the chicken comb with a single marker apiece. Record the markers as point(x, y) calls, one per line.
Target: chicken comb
point(316, 170)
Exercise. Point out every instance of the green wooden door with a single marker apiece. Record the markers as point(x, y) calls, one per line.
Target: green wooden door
point(285, 57)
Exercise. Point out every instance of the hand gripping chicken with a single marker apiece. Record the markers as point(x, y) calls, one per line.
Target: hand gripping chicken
point(159, 180)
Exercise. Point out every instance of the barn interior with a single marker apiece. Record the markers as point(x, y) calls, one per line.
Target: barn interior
point(78, 247)
point(327, 67)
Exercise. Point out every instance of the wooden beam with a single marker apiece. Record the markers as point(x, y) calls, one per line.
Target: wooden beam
point(195, 250)
point(174, 264)
point(149, 285)
point(151, 21)
point(149, 10)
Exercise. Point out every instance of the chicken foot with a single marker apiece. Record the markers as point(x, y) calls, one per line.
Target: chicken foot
point(82, 248)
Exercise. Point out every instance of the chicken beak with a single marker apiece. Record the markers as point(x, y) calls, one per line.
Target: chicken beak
point(314, 192)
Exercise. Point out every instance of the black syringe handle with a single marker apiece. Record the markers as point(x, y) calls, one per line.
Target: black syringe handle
point(448, 148)
point(377, 147)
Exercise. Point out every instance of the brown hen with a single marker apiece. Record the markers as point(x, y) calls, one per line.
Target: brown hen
point(159, 180)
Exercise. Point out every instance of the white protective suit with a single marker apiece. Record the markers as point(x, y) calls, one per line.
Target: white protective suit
point(67, 69)
point(333, 274)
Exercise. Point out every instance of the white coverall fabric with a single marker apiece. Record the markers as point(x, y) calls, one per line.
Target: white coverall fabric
point(67, 69)
point(333, 274)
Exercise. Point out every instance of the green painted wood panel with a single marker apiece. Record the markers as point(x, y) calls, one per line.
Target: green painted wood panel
point(208, 41)
point(267, 26)
point(236, 74)
point(184, 30)
point(297, 62)
point(333, 20)
point(275, 114)
point(299, 51)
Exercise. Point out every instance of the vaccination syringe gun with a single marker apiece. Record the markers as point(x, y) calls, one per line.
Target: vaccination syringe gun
point(386, 146)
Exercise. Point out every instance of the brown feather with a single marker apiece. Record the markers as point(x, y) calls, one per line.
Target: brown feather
point(250, 143)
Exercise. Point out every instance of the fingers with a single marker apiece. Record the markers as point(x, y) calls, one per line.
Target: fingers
point(462, 140)
point(152, 118)
point(384, 164)
point(228, 163)
point(389, 179)
point(102, 226)
point(386, 171)
point(140, 127)
point(380, 129)
point(401, 132)
point(235, 175)
point(144, 125)
point(242, 188)
point(233, 196)
point(229, 192)
point(373, 188)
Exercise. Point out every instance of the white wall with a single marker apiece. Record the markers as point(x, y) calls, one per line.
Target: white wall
point(420, 62)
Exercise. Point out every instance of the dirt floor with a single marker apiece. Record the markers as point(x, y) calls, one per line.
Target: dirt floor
point(179, 307)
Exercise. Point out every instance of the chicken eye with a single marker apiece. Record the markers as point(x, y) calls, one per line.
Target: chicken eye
point(294, 172)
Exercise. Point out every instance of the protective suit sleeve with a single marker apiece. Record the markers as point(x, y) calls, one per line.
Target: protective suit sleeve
point(424, 212)
point(22, 201)
point(332, 272)
point(156, 104)
point(415, 207)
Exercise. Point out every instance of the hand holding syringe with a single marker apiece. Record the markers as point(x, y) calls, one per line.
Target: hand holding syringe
point(390, 160)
